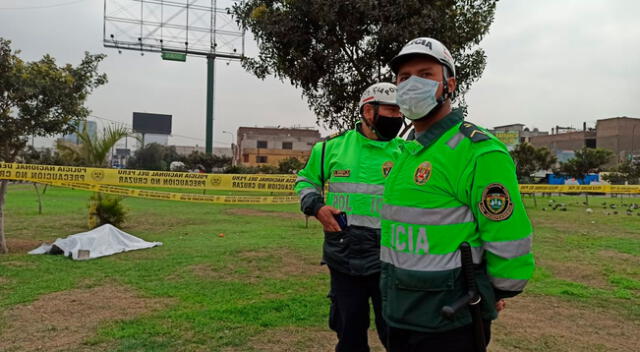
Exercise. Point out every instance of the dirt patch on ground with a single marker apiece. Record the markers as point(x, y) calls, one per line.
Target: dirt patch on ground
point(549, 324)
point(17, 245)
point(256, 212)
point(294, 339)
point(624, 259)
point(284, 263)
point(529, 324)
point(576, 272)
point(61, 321)
point(254, 266)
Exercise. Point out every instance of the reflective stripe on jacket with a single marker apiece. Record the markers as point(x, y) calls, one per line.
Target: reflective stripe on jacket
point(456, 183)
point(355, 168)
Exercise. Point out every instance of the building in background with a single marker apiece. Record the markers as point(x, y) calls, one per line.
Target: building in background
point(508, 134)
point(269, 145)
point(512, 135)
point(570, 140)
point(92, 129)
point(120, 157)
point(564, 141)
point(185, 150)
point(162, 139)
point(620, 135)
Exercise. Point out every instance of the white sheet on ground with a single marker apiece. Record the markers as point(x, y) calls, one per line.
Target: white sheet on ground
point(99, 242)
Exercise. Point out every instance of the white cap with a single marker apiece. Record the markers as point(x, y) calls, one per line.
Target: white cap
point(380, 93)
point(424, 46)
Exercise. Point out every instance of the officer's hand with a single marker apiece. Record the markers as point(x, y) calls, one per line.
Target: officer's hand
point(500, 305)
point(325, 216)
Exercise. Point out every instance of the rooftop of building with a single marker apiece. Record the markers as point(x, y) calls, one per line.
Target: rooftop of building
point(306, 131)
point(587, 133)
point(520, 125)
point(620, 117)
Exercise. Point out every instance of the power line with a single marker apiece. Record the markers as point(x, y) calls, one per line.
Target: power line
point(172, 135)
point(188, 137)
point(110, 120)
point(200, 139)
point(42, 7)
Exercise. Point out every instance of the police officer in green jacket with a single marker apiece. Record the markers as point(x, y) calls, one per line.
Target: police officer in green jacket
point(453, 183)
point(355, 164)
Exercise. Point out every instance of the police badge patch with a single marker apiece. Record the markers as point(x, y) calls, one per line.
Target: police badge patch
point(496, 203)
point(423, 173)
point(386, 168)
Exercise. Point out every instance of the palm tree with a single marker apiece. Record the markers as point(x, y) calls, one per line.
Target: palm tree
point(93, 151)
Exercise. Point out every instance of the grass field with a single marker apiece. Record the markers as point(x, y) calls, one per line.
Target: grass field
point(260, 287)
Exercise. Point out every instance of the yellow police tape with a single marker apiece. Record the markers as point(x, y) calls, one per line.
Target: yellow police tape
point(222, 199)
point(615, 189)
point(183, 197)
point(71, 175)
point(165, 179)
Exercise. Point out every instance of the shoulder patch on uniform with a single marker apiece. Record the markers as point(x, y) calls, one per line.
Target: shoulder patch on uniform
point(496, 203)
point(473, 132)
point(337, 134)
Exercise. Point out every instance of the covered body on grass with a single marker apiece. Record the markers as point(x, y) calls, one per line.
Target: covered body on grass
point(99, 242)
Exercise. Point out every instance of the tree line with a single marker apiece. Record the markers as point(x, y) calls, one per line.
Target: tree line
point(152, 156)
point(530, 160)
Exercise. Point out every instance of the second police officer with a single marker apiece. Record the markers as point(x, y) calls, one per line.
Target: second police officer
point(355, 164)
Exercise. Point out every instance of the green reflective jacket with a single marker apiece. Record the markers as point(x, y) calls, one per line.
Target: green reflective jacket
point(355, 168)
point(455, 183)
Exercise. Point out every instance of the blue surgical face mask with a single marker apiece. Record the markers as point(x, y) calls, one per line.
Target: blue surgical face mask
point(417, 97)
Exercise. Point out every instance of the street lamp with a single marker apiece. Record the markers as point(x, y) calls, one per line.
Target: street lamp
point(633, 134)
point(231, 134)
point(233, 153)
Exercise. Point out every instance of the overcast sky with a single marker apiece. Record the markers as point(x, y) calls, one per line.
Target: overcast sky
point(550, 62)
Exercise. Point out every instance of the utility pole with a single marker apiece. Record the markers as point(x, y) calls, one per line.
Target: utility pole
point(633, 134)
point(211, 71)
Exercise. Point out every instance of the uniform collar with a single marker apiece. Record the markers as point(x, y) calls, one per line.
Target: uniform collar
point(434, 132)
point(368, 140)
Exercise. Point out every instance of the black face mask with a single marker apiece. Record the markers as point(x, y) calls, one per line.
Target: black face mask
point(386, 127)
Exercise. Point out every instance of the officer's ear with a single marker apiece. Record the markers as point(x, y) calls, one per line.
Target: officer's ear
point(452, 83)
point(368, 112)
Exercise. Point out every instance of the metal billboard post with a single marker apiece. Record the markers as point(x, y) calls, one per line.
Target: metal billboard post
point(176, 29)
point(211, 71)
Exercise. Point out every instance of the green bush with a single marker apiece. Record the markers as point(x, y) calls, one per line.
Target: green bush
point(290, 165)
point(106, 209)
point(615, 178)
